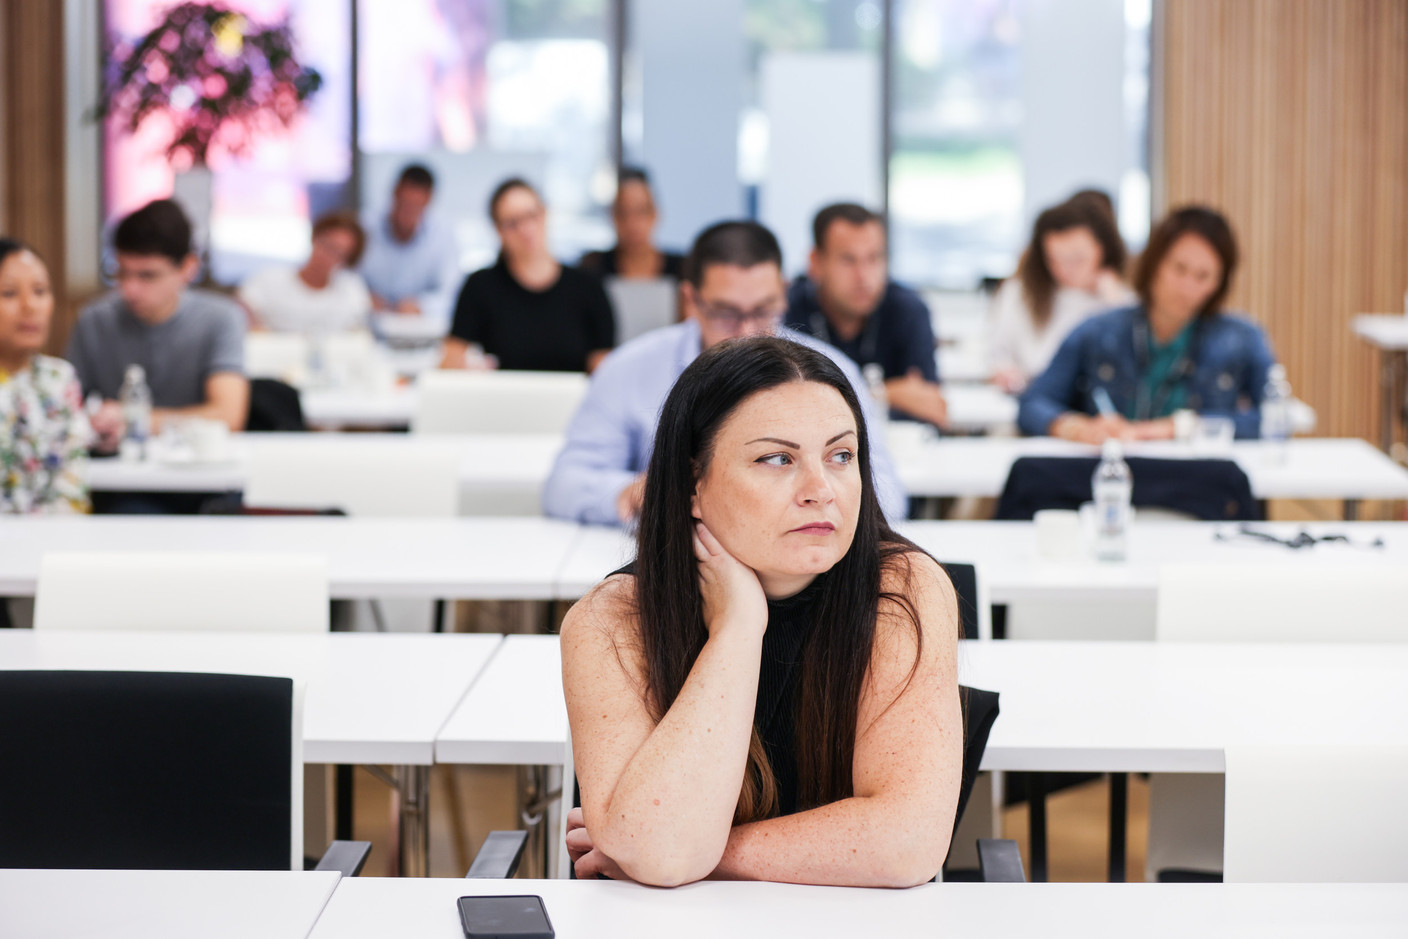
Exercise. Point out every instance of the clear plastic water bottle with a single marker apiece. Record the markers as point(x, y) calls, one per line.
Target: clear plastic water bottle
point(136, 400)
point(1112, 488)
point(874, 374)
point(1276, 414)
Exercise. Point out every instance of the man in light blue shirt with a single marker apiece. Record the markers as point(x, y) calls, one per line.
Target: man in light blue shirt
point(409, 263)
point(734, 287)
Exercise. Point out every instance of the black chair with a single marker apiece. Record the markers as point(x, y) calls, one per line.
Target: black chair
point(274, 407)
point(153, 771)
point(999, 860)
point(1208, 490)
point(965, 585)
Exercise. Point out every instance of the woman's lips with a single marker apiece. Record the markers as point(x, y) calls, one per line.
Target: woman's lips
point(815, 528)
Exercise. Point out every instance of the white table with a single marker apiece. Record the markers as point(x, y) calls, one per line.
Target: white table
point(370, 698)
point(1389, 334)
point(450, 559)
point(1079, 706)
point(61, 904)
point(1013, 573)
point(1315, 468)
point(370, 908)
point(513, 466)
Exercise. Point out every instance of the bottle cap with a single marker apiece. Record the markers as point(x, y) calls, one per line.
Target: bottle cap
point(1277, 372)
point(135, 373)
point(1112, 449)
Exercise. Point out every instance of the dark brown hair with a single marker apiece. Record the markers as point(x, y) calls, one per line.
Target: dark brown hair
point(836, 654)
point(1038, 284)
point(848, 212)
point(1207, 224)
point(159, 228)
point(346, 221)
point(503, 189)
point(738, 244)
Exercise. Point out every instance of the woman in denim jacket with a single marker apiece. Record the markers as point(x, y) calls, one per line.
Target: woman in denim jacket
point(1123, 373)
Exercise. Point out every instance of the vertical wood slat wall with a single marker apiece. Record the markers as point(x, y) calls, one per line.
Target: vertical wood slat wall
point(1291, 116)
point(33, 87)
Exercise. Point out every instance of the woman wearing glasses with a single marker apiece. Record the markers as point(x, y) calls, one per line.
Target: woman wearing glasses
point(528, 311)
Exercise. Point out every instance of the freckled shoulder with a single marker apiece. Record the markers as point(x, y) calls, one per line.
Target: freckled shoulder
point(606, 614)
point(921, 581)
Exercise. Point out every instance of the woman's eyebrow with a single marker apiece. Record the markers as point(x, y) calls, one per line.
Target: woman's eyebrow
point(839, 436)
point(797, 446)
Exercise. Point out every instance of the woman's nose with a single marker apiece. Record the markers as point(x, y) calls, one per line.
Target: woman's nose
point(813, 485)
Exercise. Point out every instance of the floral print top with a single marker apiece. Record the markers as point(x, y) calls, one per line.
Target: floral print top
point(44, 437)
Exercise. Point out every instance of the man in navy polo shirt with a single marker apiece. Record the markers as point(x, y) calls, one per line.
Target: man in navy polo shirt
point(848, 300)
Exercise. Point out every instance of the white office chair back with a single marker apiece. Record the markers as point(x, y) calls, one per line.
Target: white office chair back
point(1316, 814)
point(642, 305)
point(283, 356)
point(453, 402)
point(150, 590)
point(1281, 603)
point(371, 478)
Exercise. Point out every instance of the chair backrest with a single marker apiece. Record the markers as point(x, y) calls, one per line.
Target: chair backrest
point(642, 305)
point(1281, 603)
point(159, 590)
point(150, 770)
point(454, 402)
point(274, 406)
point(1314, 814)
point(974, 613)
point(1210, 490)
point(371, 478)
point(980, 710)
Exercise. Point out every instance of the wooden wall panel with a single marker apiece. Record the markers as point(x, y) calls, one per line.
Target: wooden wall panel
point(1291, 116)
point(32, 83)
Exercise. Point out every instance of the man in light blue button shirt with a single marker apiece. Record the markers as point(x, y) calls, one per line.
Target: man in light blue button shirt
point(409, 263)
point(733, 287)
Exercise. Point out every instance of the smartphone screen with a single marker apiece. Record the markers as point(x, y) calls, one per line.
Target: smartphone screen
point(521, 917)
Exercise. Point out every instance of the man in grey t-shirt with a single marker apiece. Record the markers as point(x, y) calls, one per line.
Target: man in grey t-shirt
point(190, 343)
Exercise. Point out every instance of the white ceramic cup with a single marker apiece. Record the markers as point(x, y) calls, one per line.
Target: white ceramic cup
point(1213, 436)
point(1059, 534)
point(209, 440)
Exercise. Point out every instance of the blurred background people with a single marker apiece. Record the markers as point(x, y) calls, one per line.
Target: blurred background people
point(44, 432)
point(1124, 373)
point(528, 311)
point(634, 215)
point(409, 264)
point(189, 343)
point(325, 295)
point(1072, 268)
point(847, 299)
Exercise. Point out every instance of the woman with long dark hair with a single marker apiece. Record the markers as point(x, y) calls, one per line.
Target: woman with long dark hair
point(1072, 268)
point(769, 691)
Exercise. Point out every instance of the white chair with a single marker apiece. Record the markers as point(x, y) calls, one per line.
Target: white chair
point(1316, 814)
point(642, 305)
point(1253, 603)
point(457, 402)
point(150, 590)
point(372, 477)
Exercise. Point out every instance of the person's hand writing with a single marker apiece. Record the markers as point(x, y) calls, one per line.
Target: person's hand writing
point(407, 306)
point(108, 426)
point(1092, 430)
point(1009, 380)
point(586, 860)
point(731, 591)
point(629, 500)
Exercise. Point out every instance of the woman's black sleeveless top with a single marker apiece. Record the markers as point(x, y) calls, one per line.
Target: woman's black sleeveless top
point(775, 714)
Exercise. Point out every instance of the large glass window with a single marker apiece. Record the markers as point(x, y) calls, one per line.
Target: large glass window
point(486, 89)
point(261, 200)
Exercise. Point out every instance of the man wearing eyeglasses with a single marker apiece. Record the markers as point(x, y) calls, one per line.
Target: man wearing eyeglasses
point(190, 343)
point(733, 288)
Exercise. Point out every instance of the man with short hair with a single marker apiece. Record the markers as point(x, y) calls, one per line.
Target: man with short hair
point(409, 263)
point(733, 288)
point(189, 343)
point(848, 301)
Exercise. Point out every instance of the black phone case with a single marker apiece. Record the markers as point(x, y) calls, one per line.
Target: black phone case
point(529, 927)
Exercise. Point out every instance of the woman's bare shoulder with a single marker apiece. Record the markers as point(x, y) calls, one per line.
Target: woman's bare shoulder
point(607, 612)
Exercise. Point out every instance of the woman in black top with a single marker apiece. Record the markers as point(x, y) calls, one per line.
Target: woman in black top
point(528, 311)
point(770, 691)
point(635, 256)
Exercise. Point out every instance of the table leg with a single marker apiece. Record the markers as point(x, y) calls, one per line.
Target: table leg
point(1351, 510)
point(342, 788)
point(413, 818)
point(1119, 817)
point(1036, 825)
point(1388, 363)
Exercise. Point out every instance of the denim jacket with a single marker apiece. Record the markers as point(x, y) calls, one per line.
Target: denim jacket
point(1230, 358)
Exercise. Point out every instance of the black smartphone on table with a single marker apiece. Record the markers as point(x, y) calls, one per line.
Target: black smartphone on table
point(520, 917)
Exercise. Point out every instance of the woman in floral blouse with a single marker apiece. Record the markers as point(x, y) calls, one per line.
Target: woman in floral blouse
point(44, 431)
